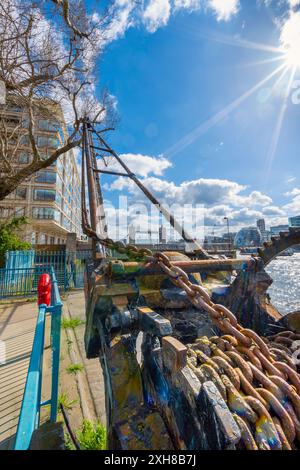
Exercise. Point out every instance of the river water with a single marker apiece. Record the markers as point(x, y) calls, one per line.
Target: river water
point(285, 290)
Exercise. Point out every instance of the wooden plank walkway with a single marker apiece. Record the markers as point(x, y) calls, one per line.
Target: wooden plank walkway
point(17, 326)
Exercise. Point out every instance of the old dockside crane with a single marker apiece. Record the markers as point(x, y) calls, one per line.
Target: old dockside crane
point(191, 358)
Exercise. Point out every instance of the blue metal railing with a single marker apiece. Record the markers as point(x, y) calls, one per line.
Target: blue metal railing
point(29, 419)
point(21, 272)
point(18, 282)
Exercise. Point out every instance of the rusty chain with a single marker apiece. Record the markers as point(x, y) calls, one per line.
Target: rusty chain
point(231, 371)
point(265, 408)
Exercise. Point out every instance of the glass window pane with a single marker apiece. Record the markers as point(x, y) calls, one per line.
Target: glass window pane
point(44, 195)
point(46, 177)
point(19, 211)
point(53, 142)
point(43, 213)
point(42, 141)
point(24, 157)
point(50, 126)
point(24, 140)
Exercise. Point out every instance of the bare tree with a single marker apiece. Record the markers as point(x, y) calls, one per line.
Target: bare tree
point(46, 65)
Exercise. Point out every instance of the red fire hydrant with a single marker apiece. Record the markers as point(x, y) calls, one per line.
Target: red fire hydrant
point(44, 290)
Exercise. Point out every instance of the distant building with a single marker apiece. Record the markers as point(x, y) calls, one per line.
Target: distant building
point(266, 236)
point(228, 237)
point(275, 231)
point(294, 221)
point(261, 225)
point(162, 234)
point(248, 237)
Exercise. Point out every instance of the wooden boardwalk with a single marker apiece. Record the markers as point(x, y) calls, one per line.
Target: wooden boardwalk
point(17, 326)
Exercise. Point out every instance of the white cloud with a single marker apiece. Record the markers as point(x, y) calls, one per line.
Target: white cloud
point(290, 32)
point(294, 3)
point(293, 207)
point(294, 192)
point(216, 197)
point(255, 199)
point(224, 9)
point(142, 165)
point(190, 5)
point(209, 192)
point(156, 14)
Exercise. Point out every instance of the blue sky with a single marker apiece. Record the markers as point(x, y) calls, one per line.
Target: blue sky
point(176, 70)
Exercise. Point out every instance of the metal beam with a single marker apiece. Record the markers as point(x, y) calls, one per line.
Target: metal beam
point(107, 172)
point(99, 148)
point(133, 268)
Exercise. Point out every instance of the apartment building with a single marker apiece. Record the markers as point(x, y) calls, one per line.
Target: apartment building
point(50, 199)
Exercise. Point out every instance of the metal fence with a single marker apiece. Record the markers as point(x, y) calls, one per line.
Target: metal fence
point(29, 418)
point(18, 282)
point(23, 268)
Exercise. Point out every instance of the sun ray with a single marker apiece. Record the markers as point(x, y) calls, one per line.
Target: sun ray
point(278, 127)
point(261, 62)
point(231, 41)
point(279, 79)
point(190, 137)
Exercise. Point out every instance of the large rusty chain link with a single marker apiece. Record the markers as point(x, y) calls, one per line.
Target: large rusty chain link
point(256, 377)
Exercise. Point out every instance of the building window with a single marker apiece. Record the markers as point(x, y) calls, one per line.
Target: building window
point(12, 121)
point(58, 199)
point(24, 157)
point(24, 140)
point(6, 212)
point(15, 108)
point(19, 211)
point(46, 177)
point(51, 142)
point(25, 122)
point(52, 240)
point(21, 193)
point(46, 125)
point(42, 141)
point(43, 213)
point(44, 195)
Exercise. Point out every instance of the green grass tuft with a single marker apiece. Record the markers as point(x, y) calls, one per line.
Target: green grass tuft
point(74, 368)
point(71, 323)
point(91, 436)
point(64, 400)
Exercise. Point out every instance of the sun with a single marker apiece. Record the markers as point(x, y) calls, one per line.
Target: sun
point(292, 55)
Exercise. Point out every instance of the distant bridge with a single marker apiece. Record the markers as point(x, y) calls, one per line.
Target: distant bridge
point(188, 249)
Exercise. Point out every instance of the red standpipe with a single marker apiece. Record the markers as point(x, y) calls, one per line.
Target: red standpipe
point(44, 290)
